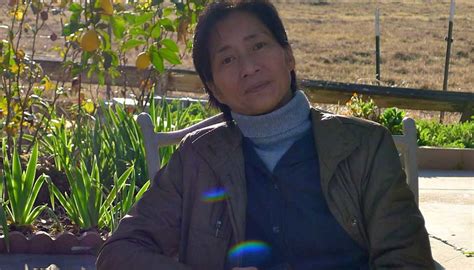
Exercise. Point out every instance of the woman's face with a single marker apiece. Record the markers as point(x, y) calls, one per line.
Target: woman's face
point(250, 69)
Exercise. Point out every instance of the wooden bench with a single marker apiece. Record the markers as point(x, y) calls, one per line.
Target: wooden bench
point(406, 145)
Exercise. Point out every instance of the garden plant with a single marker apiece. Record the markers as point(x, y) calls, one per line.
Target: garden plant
point(66, 129)
point(90, 148)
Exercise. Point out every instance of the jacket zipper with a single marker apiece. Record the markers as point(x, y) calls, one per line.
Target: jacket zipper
point(218, 227)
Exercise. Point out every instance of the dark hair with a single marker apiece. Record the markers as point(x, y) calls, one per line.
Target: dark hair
point(215, 12)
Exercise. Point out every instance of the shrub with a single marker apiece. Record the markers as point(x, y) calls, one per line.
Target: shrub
point(459, 135)
point(363, 108)
point(430, 133)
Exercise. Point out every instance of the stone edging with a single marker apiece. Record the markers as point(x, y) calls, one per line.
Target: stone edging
point(43, 243)
point(437, 158)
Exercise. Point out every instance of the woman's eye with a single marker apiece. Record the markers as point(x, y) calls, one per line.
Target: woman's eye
point(227, 60)
point(259, 45)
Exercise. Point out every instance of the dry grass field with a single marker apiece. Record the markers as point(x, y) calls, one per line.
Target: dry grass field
point(334, 40)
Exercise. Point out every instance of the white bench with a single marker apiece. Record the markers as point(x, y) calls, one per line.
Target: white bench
point(154, 140)
point(406, 145)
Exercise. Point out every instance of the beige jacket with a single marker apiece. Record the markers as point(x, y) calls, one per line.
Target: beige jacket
point(172, 227)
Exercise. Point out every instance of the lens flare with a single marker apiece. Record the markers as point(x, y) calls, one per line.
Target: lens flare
point(250, 250)
point(214, 195)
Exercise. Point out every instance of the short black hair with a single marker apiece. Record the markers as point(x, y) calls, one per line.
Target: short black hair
point(217, 11)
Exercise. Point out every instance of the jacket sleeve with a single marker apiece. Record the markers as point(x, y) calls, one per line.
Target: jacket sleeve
point(148, 236)
point(395, 226)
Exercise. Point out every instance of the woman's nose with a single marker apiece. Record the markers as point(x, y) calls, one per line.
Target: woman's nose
point(248, 66)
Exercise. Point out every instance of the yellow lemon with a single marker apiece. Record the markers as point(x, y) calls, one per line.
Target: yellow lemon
point(90, 41)
point(107, 7)
point(20, 54)
point(143, 60)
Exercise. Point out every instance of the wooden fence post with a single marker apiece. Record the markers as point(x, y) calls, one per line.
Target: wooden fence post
point(449, 40)
point(377, 44)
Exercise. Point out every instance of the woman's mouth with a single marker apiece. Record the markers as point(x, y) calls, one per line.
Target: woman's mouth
point(256, 87)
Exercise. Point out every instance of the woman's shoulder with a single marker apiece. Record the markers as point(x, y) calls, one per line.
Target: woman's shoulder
point(223, 133)
point(356, 127)
point(326, 117)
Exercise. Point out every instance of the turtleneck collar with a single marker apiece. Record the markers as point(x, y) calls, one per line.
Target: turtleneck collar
point(272, 126)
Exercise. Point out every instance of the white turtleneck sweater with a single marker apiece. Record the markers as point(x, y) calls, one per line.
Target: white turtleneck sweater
point(273, 134)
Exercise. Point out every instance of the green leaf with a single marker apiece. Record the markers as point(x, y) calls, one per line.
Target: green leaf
point(69, 28)
point(16, 185)
point(92, 207)
point(35, 213)
point(34, 195)
point(143, 18)
point(126, 202)
point(105, 37)
point(2, 180)
point(75, 7)
point(75, 18)
point(101, 77)
point(50, 191)
point(156, 59)
point(156, 31)
point(142, 190)
point(81, 193)
point(31, 171)
point(118, 186)
point(167, 24)
point(170, 56)
point(118, 26)
point(168, 11)
point(138, 31)
point(30, 192)
point(92, 70)
point(170, 44)
point(132, 43)
point(65, 202)
point(129, 17)
point(71, 204)
point(5, 229)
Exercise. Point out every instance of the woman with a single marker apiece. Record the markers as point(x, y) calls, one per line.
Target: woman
point(280, 185)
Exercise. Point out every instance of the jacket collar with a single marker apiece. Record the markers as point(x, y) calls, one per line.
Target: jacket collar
point(333, 141)
point(222, 150)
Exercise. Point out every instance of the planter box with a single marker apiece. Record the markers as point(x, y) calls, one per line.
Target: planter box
point(437, 158)
point(43, 243)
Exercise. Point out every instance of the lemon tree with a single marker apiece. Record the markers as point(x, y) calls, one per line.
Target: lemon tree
point(24, 109)
point(98, 37)
point(105, 33)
